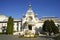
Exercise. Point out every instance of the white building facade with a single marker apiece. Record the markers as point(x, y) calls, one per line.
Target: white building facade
point(29, 22)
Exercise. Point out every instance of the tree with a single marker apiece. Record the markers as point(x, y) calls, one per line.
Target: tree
point(49, 26)
point(54, 27)
point(9, 29)
point(46, 27)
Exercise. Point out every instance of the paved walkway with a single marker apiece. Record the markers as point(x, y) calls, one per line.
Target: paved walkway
point(10, 37)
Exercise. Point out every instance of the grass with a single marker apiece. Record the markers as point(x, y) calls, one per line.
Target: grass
point(1, 33)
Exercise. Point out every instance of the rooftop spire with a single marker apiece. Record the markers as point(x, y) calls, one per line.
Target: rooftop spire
point(29, 11)
point(30, 6)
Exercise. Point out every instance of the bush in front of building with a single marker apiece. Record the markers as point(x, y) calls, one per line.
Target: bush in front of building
point(9, 29)
point(50, 27)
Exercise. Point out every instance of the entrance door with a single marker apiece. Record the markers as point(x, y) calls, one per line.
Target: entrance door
point(30, 27)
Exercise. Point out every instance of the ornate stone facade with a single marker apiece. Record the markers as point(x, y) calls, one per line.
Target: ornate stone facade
point(30, 23)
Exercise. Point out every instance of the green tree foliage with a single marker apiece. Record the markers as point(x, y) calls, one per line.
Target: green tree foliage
point(46, 27)
point(9, 29)
point(49, 26)
point(55, 29)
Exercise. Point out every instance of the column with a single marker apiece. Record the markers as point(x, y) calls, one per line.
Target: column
point(21, 28)
point(17, 26)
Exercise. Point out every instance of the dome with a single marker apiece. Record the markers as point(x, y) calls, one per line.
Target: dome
point(30, 11)
point(3, 17)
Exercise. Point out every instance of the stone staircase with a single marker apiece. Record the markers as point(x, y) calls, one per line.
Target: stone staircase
point(29, 33)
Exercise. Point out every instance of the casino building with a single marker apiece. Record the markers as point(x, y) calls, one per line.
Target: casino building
point(30, 22)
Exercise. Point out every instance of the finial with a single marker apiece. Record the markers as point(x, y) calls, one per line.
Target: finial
point(30, 4)
point(23, 15)
point(30, 7)
point(36, 15)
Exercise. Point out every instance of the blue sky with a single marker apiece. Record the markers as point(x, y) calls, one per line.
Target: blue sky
point(16, 8)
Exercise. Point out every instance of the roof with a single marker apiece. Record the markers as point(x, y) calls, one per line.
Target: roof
point(55, 19)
